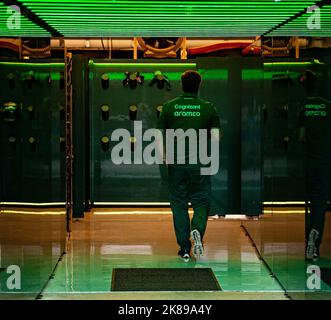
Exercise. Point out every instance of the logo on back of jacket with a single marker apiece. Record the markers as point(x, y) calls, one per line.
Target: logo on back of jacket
point(187, 110)
point(316, 110)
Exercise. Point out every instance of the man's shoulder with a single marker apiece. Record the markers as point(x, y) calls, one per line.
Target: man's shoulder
point(181, 99)
point(171, 102)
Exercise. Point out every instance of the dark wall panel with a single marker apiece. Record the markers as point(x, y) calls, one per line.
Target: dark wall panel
point(32, 138)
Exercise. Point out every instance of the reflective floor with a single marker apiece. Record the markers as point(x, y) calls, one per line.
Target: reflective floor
point(280, 239)
point(106, 240)
point(31, 242)
point(112, 238)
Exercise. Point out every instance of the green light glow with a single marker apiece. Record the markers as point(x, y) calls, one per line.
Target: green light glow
point(174, 3)
point(179, 18)
point(214, 74)
point(26, 28)
point(142, 65)
point(252, 74)
point(128, 18)
point(298, 27)
point(288, 64)
point(33, 64)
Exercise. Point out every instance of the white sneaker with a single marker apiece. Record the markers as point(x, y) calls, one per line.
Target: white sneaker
point(311, 245)
point(198, 246)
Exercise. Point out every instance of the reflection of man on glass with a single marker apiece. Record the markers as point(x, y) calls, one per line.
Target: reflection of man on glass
point(186, 183)
point(315, 132)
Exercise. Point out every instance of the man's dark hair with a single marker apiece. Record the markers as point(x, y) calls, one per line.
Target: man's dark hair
point(191, 81)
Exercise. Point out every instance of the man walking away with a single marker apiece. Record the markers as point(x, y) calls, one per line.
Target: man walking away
point(315, 132)
point(186, 183)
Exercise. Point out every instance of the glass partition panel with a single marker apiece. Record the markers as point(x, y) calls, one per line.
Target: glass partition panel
point(32, 203)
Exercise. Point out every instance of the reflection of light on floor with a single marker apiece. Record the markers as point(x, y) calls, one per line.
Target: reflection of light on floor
point(273, 248)
point(126, 249)
point(285, 211)
point(32, 212)
point(131, 203)
point(285, 203)
point(121, 211)
point(221, 258)
point(298, 248)
point(130, 212)
point(34, 204)
point(32, 250)
point(56, 249)
point(235, 217)
point(249, 260)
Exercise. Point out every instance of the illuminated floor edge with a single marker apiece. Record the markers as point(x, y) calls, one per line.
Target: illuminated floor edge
point(99, 244)
point(233, 295)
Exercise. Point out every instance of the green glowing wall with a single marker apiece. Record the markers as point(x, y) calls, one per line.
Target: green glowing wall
point(29, 175)
point(222, 84)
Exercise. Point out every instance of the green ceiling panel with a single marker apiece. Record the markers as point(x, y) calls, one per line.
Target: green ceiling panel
point(169, 18)
point(301, 27)
point(120, 18)
point(26, 28)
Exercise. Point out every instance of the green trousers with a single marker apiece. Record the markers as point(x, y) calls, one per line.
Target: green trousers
point(186, 184)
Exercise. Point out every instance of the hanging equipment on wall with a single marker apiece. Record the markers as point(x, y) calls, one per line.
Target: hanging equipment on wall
point(133, 141)
point(286, 140)
point(161, 80)
point(62, 143)
point(132, 79)
point(9, 112)
point(29, 79)
point(12, 142)
point(105, 81)
point(133, 110)
point(31, 111)
point(11, 139)
point(105, 112)
point(105, 143)
point(33, 143)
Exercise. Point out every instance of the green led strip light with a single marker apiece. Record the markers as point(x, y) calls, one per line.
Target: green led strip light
point(135, 64)
point(284, 64)
point(298, 27)
point(27, 28)
point(33, 64)
point(179, 18)
point(172, 3)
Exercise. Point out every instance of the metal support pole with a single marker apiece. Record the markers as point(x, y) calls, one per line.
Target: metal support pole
point(297, 48)
point(135, 48)
point(69, 139)
point(183, 52)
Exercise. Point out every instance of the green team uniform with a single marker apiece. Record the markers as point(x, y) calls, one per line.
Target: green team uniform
point(185, 182)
